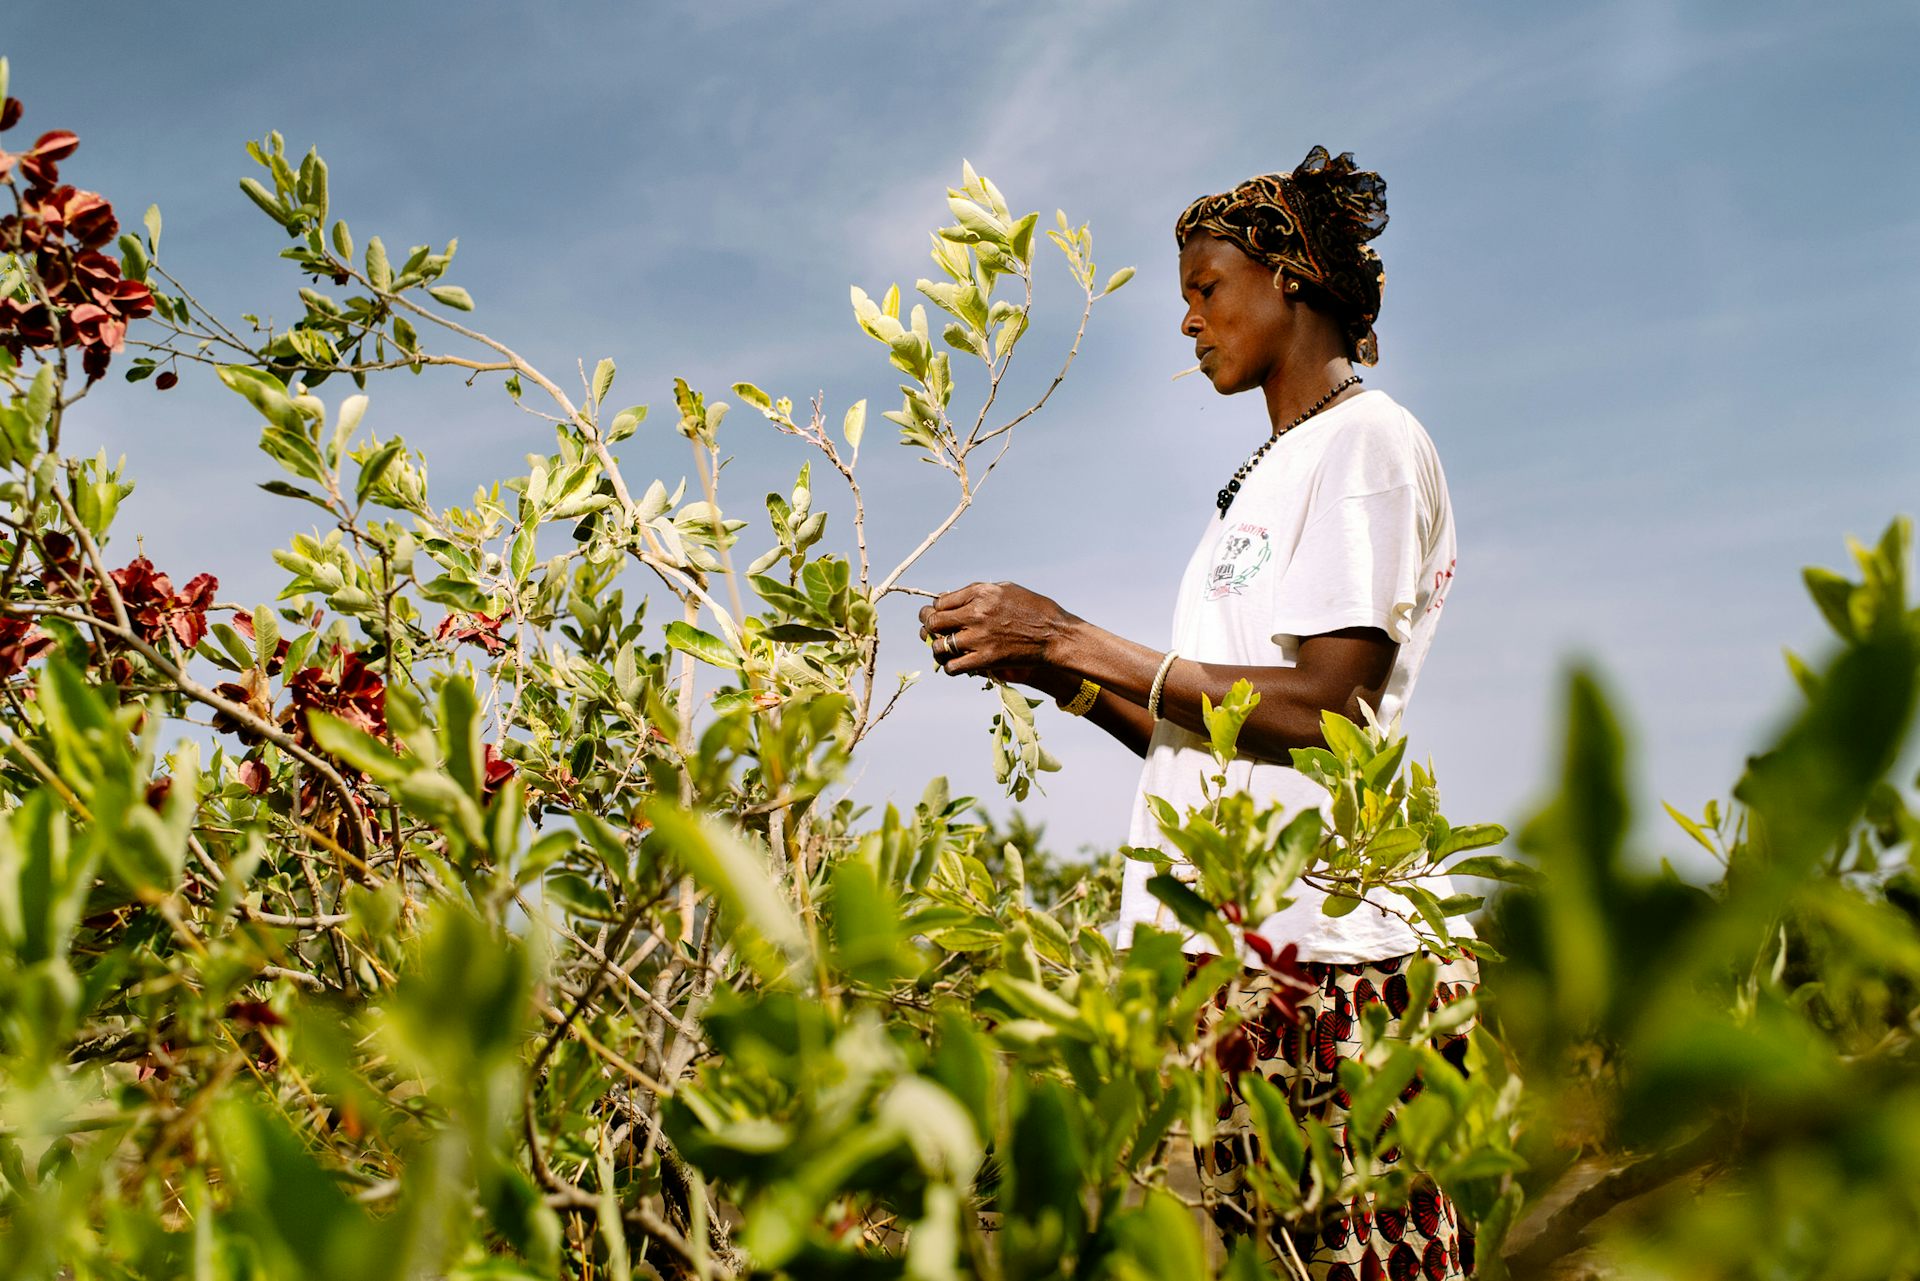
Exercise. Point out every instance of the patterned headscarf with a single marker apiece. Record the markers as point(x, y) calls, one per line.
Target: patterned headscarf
point(1312, 224)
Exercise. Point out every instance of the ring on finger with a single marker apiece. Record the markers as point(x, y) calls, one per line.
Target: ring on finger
point(951, 646)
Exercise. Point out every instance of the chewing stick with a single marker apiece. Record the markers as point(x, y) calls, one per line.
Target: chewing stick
point(1183, 373)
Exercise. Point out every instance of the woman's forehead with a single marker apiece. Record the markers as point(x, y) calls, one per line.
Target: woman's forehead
point(1204, 251)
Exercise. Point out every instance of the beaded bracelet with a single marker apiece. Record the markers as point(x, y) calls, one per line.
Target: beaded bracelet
point(1082, 703)
point(1159, 680)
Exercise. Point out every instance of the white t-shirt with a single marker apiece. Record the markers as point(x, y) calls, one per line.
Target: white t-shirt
point(1344, 523)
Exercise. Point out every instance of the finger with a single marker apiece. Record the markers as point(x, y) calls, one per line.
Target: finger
point(947, 616)
point(966, 662)
point(924, 611)
point(955, 598)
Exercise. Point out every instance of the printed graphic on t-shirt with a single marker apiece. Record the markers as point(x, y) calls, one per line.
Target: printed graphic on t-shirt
point(1243, 552)
point(1441, 579)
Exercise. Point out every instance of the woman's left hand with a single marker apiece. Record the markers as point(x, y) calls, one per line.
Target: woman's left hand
point(985, 627)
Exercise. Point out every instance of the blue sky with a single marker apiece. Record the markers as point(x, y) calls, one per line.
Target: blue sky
point(1654, 289)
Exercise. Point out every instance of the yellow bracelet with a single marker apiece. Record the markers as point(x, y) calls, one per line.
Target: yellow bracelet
point(1083, 702)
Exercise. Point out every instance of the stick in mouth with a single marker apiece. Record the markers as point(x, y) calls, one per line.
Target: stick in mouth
point(1183, 373)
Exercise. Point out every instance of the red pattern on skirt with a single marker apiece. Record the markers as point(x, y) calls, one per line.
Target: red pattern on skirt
point(1423, 1240)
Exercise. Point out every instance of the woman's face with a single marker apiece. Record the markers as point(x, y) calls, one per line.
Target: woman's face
point(1238, 320)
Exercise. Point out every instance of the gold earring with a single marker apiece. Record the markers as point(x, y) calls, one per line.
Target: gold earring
point(1293, 286)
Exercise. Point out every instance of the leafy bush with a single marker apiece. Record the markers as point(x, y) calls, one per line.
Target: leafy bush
point(473, 925)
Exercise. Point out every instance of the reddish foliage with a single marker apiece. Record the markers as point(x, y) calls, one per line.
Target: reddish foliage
point(252, 692)
point(356, 695)
point(480, 629)
point(60, 563)
point(255, 1014)
point(255, 776)
point(498, 770)
point(20, 643)
point(81, 300)
point(1294, 982)
point(154, 608)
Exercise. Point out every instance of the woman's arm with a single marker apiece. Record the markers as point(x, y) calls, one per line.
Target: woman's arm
point(1127, 721)
point(998, 626)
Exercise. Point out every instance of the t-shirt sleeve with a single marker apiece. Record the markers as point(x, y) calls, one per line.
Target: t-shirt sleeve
point(1357, 565)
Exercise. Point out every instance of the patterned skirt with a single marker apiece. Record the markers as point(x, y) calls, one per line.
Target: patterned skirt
point(1424, 1240)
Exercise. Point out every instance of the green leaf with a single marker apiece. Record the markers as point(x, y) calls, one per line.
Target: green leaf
point(1809, 788)
point(457, 592)
point(626, 422)
point(1576, 840)
point(1117, 279)
point(294, 1213)
point(753, 396)
point(579, 896)
point(1380, 770)
point(41, 393)
point(47, 877)
point(1345, 738)
point(798, 634)
point(266, 394)
point(855, 424)
point(1188, 907)
point(1394, 844)
point(1425, 904)
point(736, 873)
point(1286, 1146)
point(266, 636)
point(265, 199)
point(704, 646)
point(233, 643)
point(1834, 595)
point(1497, 867)
point(442, 802)
point(1225, 722)
point(379, 270)
point(1691, 828)
point(1161, 1239)
point(358, 748)
point(375, 467)
point(343, 241)
point(1471, 837)
point(133, 258)
point(452, 296)
point(460, 735)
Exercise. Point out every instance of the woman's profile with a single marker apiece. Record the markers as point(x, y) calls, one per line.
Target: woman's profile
point(1319, 578)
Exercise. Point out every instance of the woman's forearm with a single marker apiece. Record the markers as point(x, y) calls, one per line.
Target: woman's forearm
point(1126, 720)
point(1291, 698)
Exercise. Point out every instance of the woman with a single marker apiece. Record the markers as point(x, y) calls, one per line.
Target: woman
point(1319, 579)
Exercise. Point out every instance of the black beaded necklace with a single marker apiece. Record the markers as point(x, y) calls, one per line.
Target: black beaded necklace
point(1232, 491)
